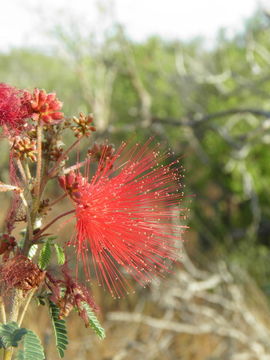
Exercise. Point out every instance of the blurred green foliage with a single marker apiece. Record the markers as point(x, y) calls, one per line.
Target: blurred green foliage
point(209, 104)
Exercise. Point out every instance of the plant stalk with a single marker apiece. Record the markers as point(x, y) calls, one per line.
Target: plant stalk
point(8, 354)
point(39, 161)
point(31, 294)
point(15, 307)
point(3, 310)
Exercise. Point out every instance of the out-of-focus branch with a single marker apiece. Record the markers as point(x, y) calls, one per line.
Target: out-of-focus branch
point(208, 302)
point(201, 120)
point(136, 80)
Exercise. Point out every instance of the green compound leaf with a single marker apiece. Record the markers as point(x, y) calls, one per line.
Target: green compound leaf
point(33, 349)
point(60, 254)
point(93, 321)
point(10, 334)
point(60, 330)
point(45, 255)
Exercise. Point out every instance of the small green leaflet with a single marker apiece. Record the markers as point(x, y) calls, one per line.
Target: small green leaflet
point(32, 251)
point(45, 255)
point(33, 349)
point(93, 321)
point(60, 331)
point(60, 254)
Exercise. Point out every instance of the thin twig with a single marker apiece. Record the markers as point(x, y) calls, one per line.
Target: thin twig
point(27, 172)
point(205, 118)
point(28, 215)
point(26, 306)
point(21, 169)
point(76, 166)
point(39, 160)
point(3, 310)
point(52, 222)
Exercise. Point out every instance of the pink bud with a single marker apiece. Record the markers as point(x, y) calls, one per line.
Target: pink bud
point(51, 97)
point(57, 115)
point(62, 181)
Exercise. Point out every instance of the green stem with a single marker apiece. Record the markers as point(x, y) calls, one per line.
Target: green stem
point(8, 354)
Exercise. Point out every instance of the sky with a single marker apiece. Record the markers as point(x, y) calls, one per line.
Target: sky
point(24, 22)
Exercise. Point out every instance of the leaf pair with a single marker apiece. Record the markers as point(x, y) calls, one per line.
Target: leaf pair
point(46, 253)
point(60, 331)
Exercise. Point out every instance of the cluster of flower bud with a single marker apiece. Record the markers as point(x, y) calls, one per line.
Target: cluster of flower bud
point(71, 183)
point(83, 125)
point(25, 148)
point(45, 107)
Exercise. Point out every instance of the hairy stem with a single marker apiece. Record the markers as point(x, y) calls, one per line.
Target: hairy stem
point(15, 307)
point(21, 169)
point(3, 310)
point(39, 160)
point(31, 294)
point(27, 172)
point(29, 233)
point(14, 313)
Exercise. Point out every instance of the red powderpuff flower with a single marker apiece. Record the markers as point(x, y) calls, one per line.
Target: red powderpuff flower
point(46, 107)
point(13, 108)
point(128, 215)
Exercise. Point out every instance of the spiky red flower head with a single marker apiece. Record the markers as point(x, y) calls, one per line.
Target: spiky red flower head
point(128, 215)
point(13, 109)
point(46, 107)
